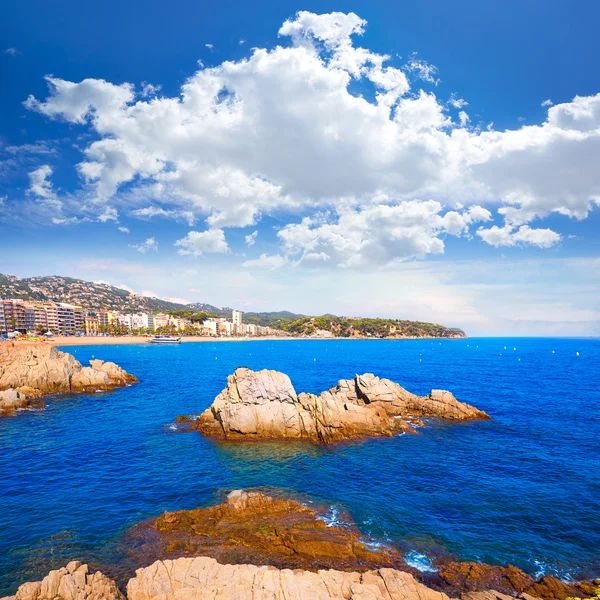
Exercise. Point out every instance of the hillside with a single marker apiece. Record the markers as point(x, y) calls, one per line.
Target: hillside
point(93, 296)
point(365, 327)
point(97, 296)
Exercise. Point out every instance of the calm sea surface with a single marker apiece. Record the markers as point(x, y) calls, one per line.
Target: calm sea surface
point(523, 488)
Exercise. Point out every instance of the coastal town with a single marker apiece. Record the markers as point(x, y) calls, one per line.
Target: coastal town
point(21, 317)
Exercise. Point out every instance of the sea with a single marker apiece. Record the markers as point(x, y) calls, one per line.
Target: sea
point(522, 488)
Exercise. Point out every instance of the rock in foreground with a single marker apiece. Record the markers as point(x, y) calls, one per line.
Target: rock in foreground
point(73, 582)
point(204, 579)
point(253, 528)
point(30, 371)
point(264, 405)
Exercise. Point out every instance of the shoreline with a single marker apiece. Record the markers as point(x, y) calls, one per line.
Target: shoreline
point(140, 339)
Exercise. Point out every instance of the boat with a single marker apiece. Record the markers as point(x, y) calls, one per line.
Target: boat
point(165, 339)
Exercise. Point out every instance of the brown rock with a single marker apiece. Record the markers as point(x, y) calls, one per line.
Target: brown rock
point(264, 404)
point(551, 588)
point(13, 400)
point(477, 577)
point(205, 579)
point(254, 528)
point(36, 370)
point(73, 582)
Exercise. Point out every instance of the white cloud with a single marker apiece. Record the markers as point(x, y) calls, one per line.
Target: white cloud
point(123, 229)
point(456, 101)
point(422, 69)
point(197, 243)
point(282, 132)
point(209, 46)
point(150, 90)
point(250, 239)
point(40, 184)
point(378, 235)
point(3, 200)
point(508, 236)
point(156, 211)
point(463, 118)
point(547, 102)
point(266, 261)
point(144, 247)
point(12, 51)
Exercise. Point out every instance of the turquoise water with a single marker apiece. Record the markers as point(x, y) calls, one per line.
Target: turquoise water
point(523, 488)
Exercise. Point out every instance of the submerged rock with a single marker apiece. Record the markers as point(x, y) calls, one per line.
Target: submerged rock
point(264, 404)
point(254, 528)
point(73, 582)
point(35, 370)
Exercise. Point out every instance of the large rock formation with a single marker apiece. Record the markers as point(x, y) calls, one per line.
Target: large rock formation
point(253, 528)
point(30, 371)
point(204, 579)
point(73, 582)
point(264, 404)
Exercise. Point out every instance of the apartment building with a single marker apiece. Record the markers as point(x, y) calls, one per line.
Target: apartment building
point(19, 315)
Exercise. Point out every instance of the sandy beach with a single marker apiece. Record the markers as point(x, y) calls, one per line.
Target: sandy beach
point(139, 339)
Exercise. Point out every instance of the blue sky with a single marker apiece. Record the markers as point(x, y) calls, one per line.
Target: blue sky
point(431, 160)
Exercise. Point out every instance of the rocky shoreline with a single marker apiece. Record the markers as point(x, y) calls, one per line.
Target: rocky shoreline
point(254, 546)
point(31, 371)
point(265, 405)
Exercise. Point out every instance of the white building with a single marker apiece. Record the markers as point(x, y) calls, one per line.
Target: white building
point(142, 321)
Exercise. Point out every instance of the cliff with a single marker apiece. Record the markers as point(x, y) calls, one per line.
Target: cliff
point(31, 371)
point(264, 404)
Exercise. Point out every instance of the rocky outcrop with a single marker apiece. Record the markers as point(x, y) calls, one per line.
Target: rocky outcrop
point(457, 577)
point(204, 579)
point(13, 400)
point(35, 370)
point(551, 588)
point(73, 582)
point(264, 404)
point(254, 528)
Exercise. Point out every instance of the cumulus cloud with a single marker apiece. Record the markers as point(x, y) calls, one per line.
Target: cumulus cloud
point(123, 229)
point(250, 239)
point(378, 235)
point(197, 243)
point(12, 51)
point(144, 247)
point(40, 184)
point(509, 236)
point(282, 131)
point(266, 261)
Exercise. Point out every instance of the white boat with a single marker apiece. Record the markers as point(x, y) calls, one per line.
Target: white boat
point(165, 339)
